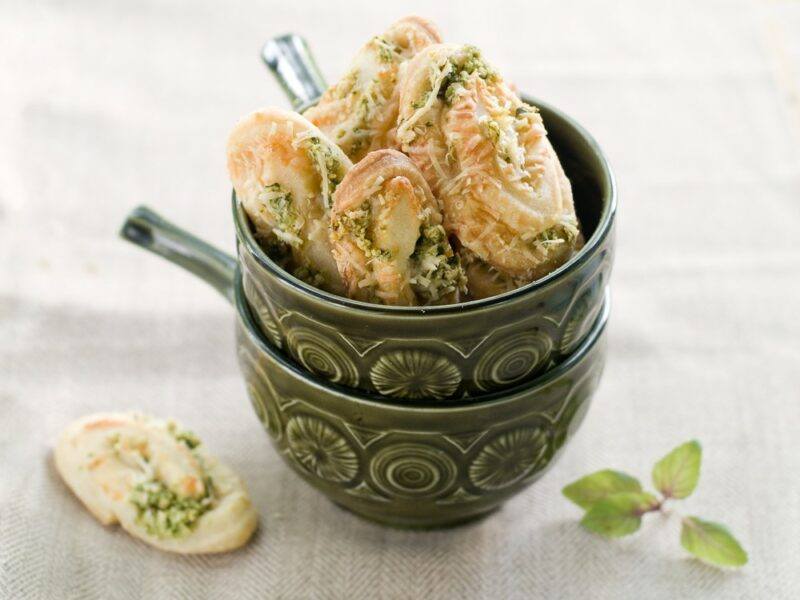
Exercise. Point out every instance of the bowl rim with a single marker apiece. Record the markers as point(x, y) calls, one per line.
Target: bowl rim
point(372, 399)
point(608, 190)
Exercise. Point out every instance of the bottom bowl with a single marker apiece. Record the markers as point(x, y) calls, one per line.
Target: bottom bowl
point(417, 465)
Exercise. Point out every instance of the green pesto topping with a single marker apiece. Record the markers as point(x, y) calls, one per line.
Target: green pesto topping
point(387, 51)
point(463, 65)
point(357, 222)
point(327, 165)
point(565, 232)
point(188, 438)
point(437, 271)
point(185, 436)
point(491, 130)
point(357, 128)
point(360, 129)
point(279, 203)
point(165, 514)
point(420, 102)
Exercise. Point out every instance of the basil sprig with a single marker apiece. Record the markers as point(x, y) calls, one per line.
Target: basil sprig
point(615, 503)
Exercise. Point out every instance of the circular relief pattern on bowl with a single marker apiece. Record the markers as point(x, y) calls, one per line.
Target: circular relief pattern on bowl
point(320, 449)
point(580, 319)
point(574, 412)
point(508, 457)
point(412, 471)
point(258, 391)
point(512, 359)
point(256, 300)
point(269, 327)
point(415, 374)
point(322, 356)
point(265, 409)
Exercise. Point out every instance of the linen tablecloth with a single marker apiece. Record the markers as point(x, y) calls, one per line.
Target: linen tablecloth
point(108, 104)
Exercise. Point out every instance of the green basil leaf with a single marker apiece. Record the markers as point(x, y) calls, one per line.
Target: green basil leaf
point(712, 543)
point(618, 514)
point(588, 491)
point(677, 473)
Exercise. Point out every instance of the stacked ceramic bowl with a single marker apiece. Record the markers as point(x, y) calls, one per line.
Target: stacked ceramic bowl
point(418, 416)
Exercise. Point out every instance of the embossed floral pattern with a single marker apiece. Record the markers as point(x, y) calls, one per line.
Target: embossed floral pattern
point(415, 374)
point(580, 320)
point(256, 298)
point(265, 410)
point(269, 327)
point(259, 393)
point(513, 359)
point(322, 356)
point(412, 471)
point(320, 449)
point(508, 458)
point(576, 405)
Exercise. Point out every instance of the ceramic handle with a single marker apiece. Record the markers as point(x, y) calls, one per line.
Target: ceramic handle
point(145, 228)
point(290, 61)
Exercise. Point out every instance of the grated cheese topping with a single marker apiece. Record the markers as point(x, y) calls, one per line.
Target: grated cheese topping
point(326, 164)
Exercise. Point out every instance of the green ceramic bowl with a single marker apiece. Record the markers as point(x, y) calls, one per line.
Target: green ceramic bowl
point(417, 466)
point(411, 463)
point(456, 351)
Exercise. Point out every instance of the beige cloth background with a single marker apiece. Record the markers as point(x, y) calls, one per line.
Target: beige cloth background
point(108, 104)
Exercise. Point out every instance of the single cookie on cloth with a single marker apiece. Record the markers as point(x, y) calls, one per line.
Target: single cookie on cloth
point(157, 481)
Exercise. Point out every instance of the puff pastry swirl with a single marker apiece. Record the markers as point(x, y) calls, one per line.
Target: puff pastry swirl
point(486, 155)
point(155, 480)
point(284, 171)
point(387, 235)
point(359, 111)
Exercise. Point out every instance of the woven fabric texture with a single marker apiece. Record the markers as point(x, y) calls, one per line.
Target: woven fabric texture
point(106, 105)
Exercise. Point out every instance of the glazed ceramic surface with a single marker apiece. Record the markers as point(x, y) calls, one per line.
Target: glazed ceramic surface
point(447, 352)
point(417, 466)
point(408, 461)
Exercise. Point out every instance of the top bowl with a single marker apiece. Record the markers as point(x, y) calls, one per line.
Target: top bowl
point(451, 351)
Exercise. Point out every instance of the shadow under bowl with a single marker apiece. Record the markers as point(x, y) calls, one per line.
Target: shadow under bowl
point(450, 352)
point(411, 465)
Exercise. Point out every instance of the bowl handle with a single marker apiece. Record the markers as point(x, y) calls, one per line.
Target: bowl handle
point(290, 61)
point(145, 228)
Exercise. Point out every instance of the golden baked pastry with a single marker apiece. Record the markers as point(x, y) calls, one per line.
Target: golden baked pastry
point(387, 235)
point(284, 171)
point(157, 481)
point(486, 156)
point(360, 110)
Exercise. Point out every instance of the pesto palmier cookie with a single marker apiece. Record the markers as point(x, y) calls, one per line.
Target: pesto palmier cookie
point(387, 235)
point(157, 481)
point(284, 171)
point(360, 110)
point(485, 154)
